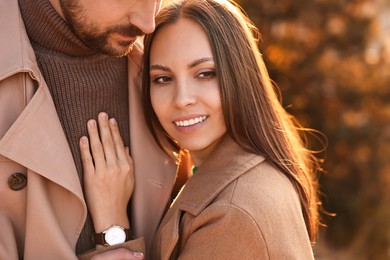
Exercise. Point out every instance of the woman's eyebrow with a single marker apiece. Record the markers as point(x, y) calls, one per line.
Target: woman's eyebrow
point(159, 67)
point(199, 61)
point(191, 65)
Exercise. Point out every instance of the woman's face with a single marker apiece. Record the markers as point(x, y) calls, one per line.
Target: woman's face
point(184, 88)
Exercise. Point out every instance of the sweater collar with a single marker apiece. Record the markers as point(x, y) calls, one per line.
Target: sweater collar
point(41, 20)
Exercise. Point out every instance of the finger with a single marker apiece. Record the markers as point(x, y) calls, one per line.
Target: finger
point(130, 162)
point(96, 146)
point(128, 157)
point(120, 253)
point(106, 139)
point(86, 157)
point(118, 142)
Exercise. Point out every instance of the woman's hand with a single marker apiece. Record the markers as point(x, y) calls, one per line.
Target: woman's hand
point(108, 173)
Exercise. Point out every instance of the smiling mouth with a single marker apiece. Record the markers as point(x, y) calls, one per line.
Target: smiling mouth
point(191, 122)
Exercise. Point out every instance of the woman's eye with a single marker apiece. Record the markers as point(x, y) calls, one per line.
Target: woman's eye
point(207, 74)
point(161, 79)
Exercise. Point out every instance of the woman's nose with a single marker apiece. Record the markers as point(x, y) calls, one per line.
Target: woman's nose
point(185, 95)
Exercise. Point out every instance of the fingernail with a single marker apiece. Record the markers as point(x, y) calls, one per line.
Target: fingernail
point(103, 116)
point(138, 254)
point(92, 123)
point(83, 140)
point(113, 121)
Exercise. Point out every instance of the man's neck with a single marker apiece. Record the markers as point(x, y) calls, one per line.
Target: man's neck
point(47, 29)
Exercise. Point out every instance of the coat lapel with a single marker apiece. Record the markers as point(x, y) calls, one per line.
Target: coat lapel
point(168, 235)
point(36, 141)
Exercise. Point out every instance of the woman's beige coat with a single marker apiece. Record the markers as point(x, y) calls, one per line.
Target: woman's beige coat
point(44, 219)
point(236, 206)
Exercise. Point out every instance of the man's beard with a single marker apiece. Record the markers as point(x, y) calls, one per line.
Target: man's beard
point(96, 37)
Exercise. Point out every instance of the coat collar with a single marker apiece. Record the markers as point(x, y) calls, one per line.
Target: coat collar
point(228, 162)
point(15, 46)
point(36, 139)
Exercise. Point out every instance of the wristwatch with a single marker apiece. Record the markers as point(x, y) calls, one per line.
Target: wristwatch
point(112, 236)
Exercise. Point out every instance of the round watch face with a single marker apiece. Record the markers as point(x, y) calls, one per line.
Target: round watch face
point(115, 235)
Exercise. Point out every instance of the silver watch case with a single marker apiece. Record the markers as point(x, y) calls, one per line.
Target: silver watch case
point(114, 235)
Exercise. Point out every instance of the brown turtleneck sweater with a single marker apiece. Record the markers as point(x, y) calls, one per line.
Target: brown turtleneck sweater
point(82, 82)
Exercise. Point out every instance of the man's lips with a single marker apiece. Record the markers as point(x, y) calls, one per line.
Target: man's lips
point(123, 37)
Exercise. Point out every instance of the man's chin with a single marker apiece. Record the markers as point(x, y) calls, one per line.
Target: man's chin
point(119, 49)
point(123, 50)
point(116, 51)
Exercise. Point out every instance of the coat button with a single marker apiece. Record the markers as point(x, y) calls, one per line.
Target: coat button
point(17, 181)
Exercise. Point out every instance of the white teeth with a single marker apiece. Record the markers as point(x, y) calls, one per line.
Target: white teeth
point(191, 121)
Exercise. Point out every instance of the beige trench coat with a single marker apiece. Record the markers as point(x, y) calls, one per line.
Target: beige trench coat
point(236, 206)
point(44, 219)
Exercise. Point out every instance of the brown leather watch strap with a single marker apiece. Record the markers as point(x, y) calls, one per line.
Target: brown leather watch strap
point(99, 238)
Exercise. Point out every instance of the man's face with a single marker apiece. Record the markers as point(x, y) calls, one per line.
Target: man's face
point(109, 26)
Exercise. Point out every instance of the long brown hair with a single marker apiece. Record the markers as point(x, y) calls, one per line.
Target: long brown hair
point(254, 116)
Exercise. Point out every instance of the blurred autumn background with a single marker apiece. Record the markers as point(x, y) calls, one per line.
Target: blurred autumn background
point(331, 60)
